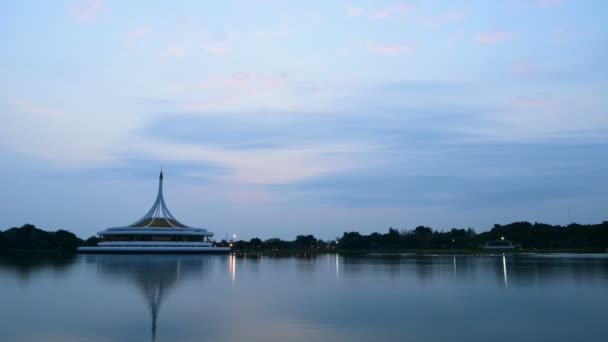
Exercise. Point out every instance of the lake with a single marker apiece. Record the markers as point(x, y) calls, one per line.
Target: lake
point(401, 297)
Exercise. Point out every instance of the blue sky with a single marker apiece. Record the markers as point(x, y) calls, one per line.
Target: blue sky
point(277, 118)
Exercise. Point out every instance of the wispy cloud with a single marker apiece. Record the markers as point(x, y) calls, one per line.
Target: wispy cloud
point(390, 10)
point(176, 49)
point(396, 49)
point(86, 11)
point(40, 111)
point(451, 17)
point(490, 37)
point(548, 3)
point(136, 34)
point(353, 11)
point(264, 166)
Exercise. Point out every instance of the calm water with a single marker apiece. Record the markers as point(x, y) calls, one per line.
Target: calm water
point(320, 298)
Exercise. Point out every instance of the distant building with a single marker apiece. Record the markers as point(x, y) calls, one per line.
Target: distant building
point(158, 231)
point(498, 244)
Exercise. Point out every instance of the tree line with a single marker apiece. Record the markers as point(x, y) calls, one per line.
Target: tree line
point(30, 238)
point(524, 235)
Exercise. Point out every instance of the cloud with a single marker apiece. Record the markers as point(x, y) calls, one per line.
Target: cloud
point(548, 3)
point(266, 165)
point(490, 37)
point(176, 49)
point(352, 11)
point(136, 34)
point(451, 17)
point(397, 49)
point(40, 111)
point(385, 12)
point(86, 12)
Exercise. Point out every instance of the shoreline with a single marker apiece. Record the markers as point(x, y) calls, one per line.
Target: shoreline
point(423, 252)
point(47, 252)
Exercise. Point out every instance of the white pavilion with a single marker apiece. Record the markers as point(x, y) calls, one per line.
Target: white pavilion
point(158, 231)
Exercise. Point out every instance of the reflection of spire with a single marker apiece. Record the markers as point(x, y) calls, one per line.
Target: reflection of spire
point(154, 295)
point(153, 275)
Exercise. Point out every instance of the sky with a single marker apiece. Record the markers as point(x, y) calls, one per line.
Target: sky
point(277, 118)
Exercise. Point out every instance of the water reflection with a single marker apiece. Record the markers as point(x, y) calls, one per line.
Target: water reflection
point(232, 267)
point(153, 275)
point(508, 269)
point(337, 266)
point(307, 297)
point(27, 265)
point(504, 270)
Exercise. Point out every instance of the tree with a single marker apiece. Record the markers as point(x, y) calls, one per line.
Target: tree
point(305, 241)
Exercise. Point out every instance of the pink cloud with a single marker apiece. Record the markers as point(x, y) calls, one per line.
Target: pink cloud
point(389, 10)
point(354, 11)
point(136, 34)
point(176, 49)
point(397, 49)
point(490, 37)
point(548, 3)
point(452, 17)
point(87, 12)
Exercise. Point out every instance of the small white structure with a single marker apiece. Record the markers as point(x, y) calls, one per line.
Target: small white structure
point(158, 231)
point(498, 244)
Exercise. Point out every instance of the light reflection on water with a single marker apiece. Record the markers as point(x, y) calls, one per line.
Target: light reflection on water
point(304, 297)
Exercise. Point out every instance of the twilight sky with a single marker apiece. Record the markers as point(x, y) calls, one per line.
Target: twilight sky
point(274, 118)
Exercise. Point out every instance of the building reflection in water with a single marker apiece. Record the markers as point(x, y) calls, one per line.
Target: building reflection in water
point(153, 275)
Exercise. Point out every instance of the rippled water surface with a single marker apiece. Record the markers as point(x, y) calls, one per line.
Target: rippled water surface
point(557, 297)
